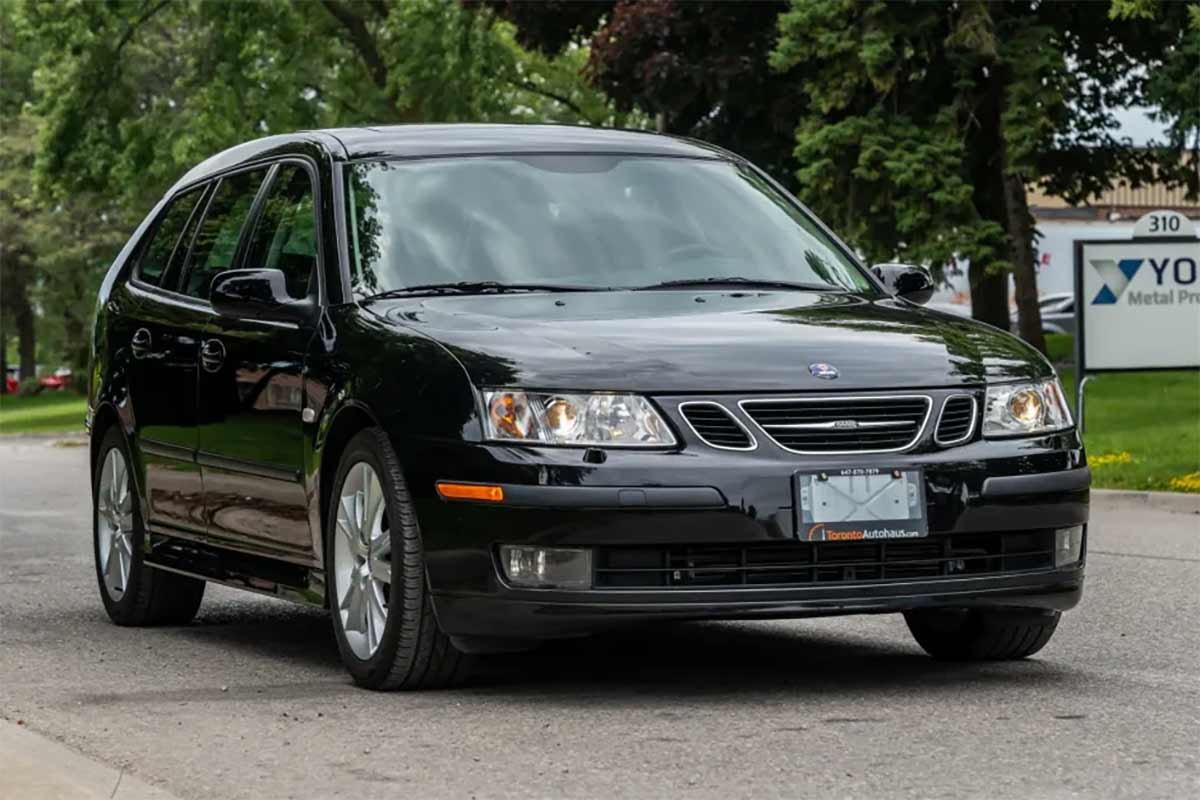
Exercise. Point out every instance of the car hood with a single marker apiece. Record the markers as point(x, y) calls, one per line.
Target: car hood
point(676, 342)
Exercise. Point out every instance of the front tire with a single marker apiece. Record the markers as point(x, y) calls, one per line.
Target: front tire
point(982, 634)
point(132, 593)
point(382, 611)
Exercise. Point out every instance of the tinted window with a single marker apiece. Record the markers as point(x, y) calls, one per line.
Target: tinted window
point(216, 241)
point(584, 220)
point(285, 234)
point(164, 241)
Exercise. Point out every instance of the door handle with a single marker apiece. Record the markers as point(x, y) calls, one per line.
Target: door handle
point(212, 355)
point(140, 343)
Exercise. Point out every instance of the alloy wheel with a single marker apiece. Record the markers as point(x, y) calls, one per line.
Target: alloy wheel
point(114, 524)
point(362, 569)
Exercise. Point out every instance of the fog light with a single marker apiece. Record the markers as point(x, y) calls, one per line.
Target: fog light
point(547, 567)
point(1068, 543)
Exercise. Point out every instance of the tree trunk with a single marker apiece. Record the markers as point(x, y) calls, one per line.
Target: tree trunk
point(3, 356)
point(989, 296)
point(1021, 255)
point(75, 343)
point(26, 335)
point(989, 289)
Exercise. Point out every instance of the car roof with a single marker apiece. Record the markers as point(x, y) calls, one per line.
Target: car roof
point(399, 141)
point(424, 141)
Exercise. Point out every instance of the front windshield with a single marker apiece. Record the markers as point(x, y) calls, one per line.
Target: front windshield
point(591, 221)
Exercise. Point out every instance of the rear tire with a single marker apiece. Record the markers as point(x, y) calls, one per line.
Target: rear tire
point(982, 634)
point(133, 593)
point(374, 562)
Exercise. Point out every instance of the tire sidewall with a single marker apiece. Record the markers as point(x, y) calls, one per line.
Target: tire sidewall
point(365, 447)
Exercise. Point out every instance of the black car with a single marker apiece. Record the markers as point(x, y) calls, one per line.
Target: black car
point(472, 387)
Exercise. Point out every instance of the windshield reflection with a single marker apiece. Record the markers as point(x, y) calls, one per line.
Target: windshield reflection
point(583, 220)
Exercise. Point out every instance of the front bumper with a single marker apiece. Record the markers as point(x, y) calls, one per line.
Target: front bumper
point(556, 497)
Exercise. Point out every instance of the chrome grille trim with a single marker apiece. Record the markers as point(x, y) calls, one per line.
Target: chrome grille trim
point(713, 404)
point(745, 406)
point(970, 426)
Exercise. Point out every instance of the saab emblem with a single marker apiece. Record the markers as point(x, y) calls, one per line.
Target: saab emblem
point(823, 371)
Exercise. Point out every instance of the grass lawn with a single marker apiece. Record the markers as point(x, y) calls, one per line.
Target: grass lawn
point(1143, 429)
point(48, 412)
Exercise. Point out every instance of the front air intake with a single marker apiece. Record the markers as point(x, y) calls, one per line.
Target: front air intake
point(831, 425)
point(957, 422)
point(716, 427)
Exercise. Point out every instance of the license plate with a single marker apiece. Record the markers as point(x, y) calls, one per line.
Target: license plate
point(860, 504)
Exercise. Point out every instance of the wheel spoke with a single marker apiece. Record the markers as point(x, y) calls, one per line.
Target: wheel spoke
point(120, 482)
point(354, 618)
point(124, 560)
point(374, 507)
point(377, 611)
point(381, 568)
point(357, 499)
point(372, 628)
point(347, 523)
point(112, 568)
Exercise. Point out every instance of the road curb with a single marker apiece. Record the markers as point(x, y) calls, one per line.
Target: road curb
point(1177, 502)
point(33, 767)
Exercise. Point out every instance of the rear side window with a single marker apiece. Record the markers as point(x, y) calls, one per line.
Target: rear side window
point(165, 241)
point(216, 241)
point(285, 236)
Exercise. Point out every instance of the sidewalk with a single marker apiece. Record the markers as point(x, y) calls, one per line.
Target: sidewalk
point(33, 767)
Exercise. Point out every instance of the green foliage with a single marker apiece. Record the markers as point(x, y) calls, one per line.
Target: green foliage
point(29, 387)
point(106, 104)
point(1143, 429)
point(882, 148)
point(926, 122)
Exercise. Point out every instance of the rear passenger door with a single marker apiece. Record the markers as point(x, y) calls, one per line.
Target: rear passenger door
point(159, 332)
point(251, 393)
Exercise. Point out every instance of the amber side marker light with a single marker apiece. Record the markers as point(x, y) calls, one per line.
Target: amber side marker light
point(470, 491)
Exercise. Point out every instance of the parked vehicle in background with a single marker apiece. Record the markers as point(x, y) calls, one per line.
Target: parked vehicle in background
point(58, 380)
point(474, 387)
point(1058, 313)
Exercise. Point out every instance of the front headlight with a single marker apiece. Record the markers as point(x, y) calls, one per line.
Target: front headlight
point(1023, 409)
point(585, 420)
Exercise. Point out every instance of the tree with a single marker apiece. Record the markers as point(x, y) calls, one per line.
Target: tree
point(17, 245)
point(925, 124)
point(121, 98)
point(700, 67)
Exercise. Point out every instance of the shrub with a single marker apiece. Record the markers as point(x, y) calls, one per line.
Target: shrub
point(28, 387)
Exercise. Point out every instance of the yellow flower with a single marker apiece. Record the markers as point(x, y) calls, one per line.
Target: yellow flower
point(1108, 459)
point(1186, 483)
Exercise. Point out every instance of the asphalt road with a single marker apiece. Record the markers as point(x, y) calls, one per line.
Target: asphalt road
point(250, 700)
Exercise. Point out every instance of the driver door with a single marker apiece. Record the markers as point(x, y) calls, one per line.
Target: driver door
point(251, 386)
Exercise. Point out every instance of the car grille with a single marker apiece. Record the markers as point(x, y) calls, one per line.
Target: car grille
point(716, 426)
point(957, 420)
point(806, 563)
point(842, 424)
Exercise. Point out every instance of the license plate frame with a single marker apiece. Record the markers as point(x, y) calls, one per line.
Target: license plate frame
point(854, 504)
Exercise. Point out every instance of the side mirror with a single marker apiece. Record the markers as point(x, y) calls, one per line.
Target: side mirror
point(258, 294)
point(914, 284)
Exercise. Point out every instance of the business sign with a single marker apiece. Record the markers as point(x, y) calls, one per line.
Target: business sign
point(1138, 300)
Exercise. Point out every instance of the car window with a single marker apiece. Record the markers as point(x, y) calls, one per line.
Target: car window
point(216, 242)
point(285, 235)
point(165, 240)
point(588, 220)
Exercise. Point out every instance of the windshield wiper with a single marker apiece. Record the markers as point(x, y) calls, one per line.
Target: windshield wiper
point(737, 280)
point(479, 287)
